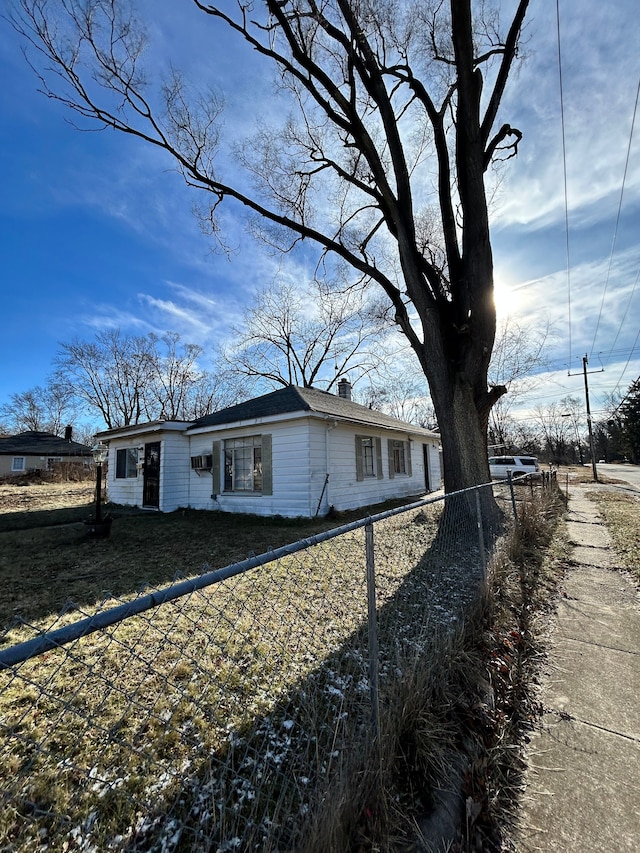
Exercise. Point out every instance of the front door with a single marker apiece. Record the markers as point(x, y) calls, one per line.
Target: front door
point(425, 455)
point(151, 478)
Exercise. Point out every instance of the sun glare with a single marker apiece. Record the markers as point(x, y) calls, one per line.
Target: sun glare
point(505, 299)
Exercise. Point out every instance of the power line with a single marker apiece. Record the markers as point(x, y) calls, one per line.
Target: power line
point(626, 311)
point(632, 389)
point(564, 166)
point(615, 230)
point(617, 385)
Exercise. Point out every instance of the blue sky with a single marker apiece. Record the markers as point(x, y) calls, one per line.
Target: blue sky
point(97, 231)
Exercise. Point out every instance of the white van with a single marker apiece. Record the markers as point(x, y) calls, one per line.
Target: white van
point(499, 467)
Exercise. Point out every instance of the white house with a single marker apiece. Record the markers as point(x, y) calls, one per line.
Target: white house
point(293, 452)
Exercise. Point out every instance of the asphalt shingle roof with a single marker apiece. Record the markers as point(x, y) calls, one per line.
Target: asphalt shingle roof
point(295, 399)
point(41, 444)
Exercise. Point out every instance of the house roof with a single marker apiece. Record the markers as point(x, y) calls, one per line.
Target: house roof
point(295, 399)
point(41, 444)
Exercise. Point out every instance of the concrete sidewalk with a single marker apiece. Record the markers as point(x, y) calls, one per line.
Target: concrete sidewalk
point(583, 783)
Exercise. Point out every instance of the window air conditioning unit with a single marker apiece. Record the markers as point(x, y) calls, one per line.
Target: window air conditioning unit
point(202, 463)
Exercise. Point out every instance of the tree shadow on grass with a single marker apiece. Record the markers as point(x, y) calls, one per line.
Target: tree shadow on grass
point(246, 757)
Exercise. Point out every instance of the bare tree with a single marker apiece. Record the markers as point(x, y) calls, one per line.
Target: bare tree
point(307, 335)
point(108, 375)
point(629, 410)
point(558, 424)
point(518, 363)
point(128, 379)
point(172, 374)
point(177, 387)
point(41, 409)
point(215, 390)
point(399, 388)
point(381, 163)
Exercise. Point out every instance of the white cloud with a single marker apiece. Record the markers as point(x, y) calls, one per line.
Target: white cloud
point(600, 77)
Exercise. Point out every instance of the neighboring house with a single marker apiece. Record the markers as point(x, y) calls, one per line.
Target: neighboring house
point(39, 451)
point(293, 452)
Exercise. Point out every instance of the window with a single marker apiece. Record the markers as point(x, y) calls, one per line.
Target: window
point(397, 458)
point(126, 463)
point(368, 457)
point(368, 461)
point(18, 463)
point(52, 461)
point(243, 464)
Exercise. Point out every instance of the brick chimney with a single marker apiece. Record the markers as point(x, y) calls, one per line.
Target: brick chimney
point(68, 432)
point(344, 389)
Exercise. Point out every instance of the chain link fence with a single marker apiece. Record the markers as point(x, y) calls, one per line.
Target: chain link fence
point(215, 714)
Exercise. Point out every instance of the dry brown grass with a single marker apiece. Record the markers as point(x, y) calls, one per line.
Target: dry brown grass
point(454, 722)
point(127, 719)
point(47, 560)
point(620, 512)
point(19, 495)
point(508, 640)
point(437, 727)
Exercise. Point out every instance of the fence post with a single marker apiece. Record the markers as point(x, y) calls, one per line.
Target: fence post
point(483, 556)
point(373, 629)
point(513, 495)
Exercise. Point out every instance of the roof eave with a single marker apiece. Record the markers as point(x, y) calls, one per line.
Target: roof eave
point(142, 429)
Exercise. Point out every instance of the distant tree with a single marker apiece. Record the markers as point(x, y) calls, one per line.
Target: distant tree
point(398, 388)
point(630, 413)
point(171, 376)
point(526, 439)
point(607, 431)
point(216, 389)
point(179, 388)
point(109, 375)
point(380, 160)
point(307, 335)
point(518, 363)
point(48, 408)
point(128, 379)
point(502, 436)
point(557, 423)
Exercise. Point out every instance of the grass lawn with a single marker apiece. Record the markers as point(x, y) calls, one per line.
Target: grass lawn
point(226, 711)
point(48, 561)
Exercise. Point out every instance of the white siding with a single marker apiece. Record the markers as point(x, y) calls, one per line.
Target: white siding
point(293, 482)
point(319, 434)
point(435, 472)
point(303, 451)
point(201, 486)
point(124, 491)
point(347, 492)
point(174, 470)
point(174, 465)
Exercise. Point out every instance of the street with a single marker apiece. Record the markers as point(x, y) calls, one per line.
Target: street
point(628, 473)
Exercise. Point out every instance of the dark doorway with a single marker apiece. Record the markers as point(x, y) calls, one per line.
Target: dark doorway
point(151, 480)
point(425, 456)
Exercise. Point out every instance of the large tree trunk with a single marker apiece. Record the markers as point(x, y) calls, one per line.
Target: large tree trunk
point(464, 446)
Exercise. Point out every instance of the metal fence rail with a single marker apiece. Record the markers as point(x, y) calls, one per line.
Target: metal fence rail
point(216, 713)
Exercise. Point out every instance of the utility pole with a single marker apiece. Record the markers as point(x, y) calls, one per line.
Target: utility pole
point(585, 362)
